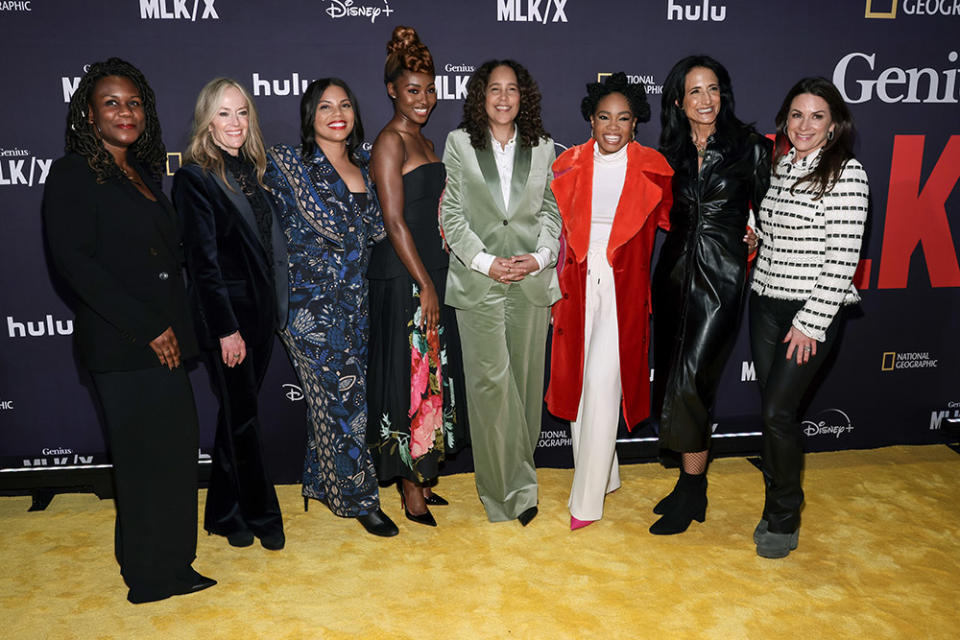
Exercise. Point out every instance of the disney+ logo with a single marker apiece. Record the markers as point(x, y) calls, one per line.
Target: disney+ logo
point(835, 422)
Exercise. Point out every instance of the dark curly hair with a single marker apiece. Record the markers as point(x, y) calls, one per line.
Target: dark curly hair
point(838, 148)
point(635, 94)
point(529, 125)
point(675, 128)
point(405, 52)
point(308, 113)
point(81, 138)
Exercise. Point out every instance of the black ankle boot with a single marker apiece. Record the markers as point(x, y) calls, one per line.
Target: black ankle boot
point(689, 503)
point(667, 502)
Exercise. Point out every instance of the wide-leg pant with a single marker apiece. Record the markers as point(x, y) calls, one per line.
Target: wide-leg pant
point(151, 428)
point(783, 384)
point(241, 495)
point(594, 432)
point(503, 339)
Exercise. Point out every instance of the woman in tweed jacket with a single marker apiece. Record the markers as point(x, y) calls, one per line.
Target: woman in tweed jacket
point(811, 228)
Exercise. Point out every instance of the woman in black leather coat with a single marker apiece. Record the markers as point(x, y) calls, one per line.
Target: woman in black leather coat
point(722, 168)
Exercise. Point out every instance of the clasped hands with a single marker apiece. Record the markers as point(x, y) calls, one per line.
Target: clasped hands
point(513, 269)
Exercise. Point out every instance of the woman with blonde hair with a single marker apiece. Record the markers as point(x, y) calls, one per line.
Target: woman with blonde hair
point(237, 267)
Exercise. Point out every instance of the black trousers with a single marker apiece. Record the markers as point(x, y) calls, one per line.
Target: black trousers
point(241, 495)
point(783, 384)
point(151, 428)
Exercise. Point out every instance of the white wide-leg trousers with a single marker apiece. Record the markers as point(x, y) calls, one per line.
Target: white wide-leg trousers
point(594, 432)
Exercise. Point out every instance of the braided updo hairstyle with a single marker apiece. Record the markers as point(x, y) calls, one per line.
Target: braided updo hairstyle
point(405, 52)
point(80, 138)
point(635, 94)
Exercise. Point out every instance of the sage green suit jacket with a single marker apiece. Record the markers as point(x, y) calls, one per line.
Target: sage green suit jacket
point(474, 218)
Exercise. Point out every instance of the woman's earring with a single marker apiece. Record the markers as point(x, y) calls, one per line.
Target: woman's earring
point(830, 135)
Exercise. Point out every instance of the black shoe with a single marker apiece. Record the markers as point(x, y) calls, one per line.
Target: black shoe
point(273, 541)
point(242, 538)
point(378, 524)
point(424, 518)
point(435, 501)
point(140, 596)
point(527, 516)
point(690, 504)
point(192, 583)
point(666, 504)
point(306, 503)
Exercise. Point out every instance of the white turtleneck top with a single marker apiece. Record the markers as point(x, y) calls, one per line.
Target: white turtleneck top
point(609, 173)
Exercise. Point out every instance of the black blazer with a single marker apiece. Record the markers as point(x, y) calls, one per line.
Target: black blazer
point(231, 285)
point(120, 254)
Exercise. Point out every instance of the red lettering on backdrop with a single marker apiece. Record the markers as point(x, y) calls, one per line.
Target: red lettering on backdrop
point(916, 216)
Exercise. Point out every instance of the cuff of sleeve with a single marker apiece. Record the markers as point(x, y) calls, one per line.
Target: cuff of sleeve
point(819, 336)
point(482, 262)
point(543, 255)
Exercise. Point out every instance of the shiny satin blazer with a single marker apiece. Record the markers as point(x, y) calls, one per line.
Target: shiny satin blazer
point(474, 217)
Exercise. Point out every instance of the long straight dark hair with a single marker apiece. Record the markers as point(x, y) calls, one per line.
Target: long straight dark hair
point(675, 128)
point(308, 112)
point(836, 151)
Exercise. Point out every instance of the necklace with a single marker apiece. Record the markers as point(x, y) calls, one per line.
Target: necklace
point(701, 148)
point(135, 179)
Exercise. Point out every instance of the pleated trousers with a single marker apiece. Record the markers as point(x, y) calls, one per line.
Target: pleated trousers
point(503, 339)
point(594, 432)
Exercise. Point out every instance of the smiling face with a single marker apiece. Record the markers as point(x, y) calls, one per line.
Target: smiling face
point(334, 117)
point(809, 123)
point(502, 102)
point(116, 113)
point(701, 97)
point(612, 123)
point(231, 122)
point(415, 96)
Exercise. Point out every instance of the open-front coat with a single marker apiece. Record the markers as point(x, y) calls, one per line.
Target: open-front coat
point(644, 205)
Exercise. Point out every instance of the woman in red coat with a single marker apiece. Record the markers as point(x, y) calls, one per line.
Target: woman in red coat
point(612, 193)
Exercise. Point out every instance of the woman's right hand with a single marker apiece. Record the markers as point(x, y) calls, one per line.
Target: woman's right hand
point(167, 348)
point(429, 308)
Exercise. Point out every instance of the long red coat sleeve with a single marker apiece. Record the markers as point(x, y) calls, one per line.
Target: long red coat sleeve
point(643, 207)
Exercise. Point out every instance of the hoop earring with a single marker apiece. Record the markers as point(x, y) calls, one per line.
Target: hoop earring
point(829, 136)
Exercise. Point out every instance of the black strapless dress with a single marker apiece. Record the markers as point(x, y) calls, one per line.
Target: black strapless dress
point(416, 396)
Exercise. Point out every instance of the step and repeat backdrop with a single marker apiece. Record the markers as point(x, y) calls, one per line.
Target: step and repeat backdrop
point(894, 379)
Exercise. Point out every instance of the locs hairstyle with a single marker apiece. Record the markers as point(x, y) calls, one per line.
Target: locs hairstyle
point(635, 94)
point(308, 112)
point(405, 52)
point(82, 139)
point(203, 151)
point(835, 152)
point(675, 128)
point(529, 125)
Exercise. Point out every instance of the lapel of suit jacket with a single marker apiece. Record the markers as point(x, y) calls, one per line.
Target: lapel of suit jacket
point(488, 167)
point(241, 203)
point(521, 171)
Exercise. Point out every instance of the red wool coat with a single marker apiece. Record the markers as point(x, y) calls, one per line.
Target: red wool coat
point(644, 205)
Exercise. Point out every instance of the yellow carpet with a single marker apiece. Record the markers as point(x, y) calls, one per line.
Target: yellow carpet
point(878, 558)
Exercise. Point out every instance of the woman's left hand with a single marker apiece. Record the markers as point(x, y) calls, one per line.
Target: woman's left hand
point(804, 346)
point(233, 350)
point(523, 265)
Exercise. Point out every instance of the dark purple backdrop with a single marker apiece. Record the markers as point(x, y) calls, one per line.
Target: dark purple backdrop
point(895, 374)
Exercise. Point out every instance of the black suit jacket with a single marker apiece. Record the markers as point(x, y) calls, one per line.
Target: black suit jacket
point(231, 284)
point(120, 254)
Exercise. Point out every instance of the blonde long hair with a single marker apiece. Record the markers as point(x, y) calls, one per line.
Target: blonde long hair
point(203, 151)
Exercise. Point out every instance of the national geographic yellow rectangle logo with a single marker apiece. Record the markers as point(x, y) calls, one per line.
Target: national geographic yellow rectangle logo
point(888, 15)
point(889, 359)
point(177, 160)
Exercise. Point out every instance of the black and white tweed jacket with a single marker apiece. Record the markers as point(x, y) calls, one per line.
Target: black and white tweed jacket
point(810, 248)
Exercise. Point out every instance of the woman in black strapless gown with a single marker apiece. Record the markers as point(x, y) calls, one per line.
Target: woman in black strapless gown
point(416, 396)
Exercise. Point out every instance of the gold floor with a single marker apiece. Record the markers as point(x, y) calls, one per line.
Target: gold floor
point(878, 558)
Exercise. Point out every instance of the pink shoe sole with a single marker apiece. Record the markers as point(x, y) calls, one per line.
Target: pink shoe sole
point(578, 524)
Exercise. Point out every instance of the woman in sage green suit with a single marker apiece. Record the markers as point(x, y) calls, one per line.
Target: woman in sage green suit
point(502, 225)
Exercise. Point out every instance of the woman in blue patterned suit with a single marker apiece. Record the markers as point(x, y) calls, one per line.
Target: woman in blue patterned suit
point(330, 216)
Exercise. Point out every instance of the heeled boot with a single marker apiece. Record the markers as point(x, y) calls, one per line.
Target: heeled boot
point(689, 503)
point(666, 503)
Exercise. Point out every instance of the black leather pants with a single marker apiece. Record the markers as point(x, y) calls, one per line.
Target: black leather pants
point(783, 384)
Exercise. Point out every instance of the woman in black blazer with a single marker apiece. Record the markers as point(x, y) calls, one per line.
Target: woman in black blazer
point(113, 237)
point(237, 265)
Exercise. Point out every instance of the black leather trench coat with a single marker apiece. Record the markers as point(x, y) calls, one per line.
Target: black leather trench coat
point(700, 281)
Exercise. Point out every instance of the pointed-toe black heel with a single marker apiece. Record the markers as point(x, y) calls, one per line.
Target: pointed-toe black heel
point(435, 500)
point(425, 518)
